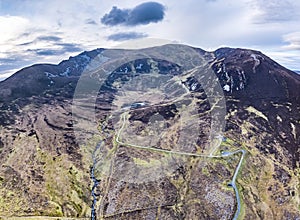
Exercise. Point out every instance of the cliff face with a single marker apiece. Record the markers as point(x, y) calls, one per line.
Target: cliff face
point(169, 123)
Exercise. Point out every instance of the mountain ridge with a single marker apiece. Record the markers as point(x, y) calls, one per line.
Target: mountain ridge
point(76, 65)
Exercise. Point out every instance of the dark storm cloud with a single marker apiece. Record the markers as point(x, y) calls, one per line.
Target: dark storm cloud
point(145, 13)
point(122, 36)
point(115, 16)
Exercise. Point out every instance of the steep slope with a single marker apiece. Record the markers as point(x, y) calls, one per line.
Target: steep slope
point(263, 85)
point(154, 147)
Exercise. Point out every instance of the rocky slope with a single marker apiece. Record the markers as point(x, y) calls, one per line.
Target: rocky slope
point(163, 119)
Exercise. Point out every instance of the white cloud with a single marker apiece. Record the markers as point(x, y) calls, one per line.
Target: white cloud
point(11, 26)
point(293, 40)
point(290, 59)
point(276, 11)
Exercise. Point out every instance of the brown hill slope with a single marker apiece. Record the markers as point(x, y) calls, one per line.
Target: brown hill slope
point(126, 134)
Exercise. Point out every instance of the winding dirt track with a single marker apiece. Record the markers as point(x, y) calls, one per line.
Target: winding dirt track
point(224, 154)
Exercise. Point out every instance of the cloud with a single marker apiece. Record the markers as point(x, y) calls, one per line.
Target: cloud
point(44, 38)
point(50, 45)
point(115, 16)
point(286, 58)
point(12, 63)
point(266, 25)
point(90, 21)
point(48, 38)
point(69, 47)
point(145, 13)
point(276, 11)
point(25, 44)
point(45, 52)
point(7, 63)
point(122, 36)
point(12, 26)
point(293, 40)
point(57, 49)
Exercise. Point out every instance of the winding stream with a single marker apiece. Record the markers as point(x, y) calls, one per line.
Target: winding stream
point(95, 182)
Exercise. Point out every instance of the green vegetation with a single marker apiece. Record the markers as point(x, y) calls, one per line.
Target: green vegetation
point(146, 163)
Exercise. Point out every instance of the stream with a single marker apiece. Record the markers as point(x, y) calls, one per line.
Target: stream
point(95, 182)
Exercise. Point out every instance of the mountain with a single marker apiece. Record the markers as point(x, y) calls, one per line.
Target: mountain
point(169, 132)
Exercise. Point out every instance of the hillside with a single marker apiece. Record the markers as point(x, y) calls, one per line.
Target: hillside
point(169, 132)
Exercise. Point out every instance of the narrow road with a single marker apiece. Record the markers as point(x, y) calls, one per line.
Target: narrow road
point(233, 184)
point(224, 154)
point(158, 149)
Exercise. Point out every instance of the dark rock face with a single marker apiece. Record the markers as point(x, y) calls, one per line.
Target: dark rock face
point(46, 163)
point(254, 75)
point(257, 81)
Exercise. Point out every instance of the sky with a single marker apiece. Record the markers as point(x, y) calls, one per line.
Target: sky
point(48, 31)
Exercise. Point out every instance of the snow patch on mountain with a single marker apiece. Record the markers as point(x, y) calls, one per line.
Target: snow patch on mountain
point(66, 72)
point(226, 88)
point(75, 66)
point(256, 61)
point(50, 75)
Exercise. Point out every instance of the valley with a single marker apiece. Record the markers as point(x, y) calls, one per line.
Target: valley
point(170, 132)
